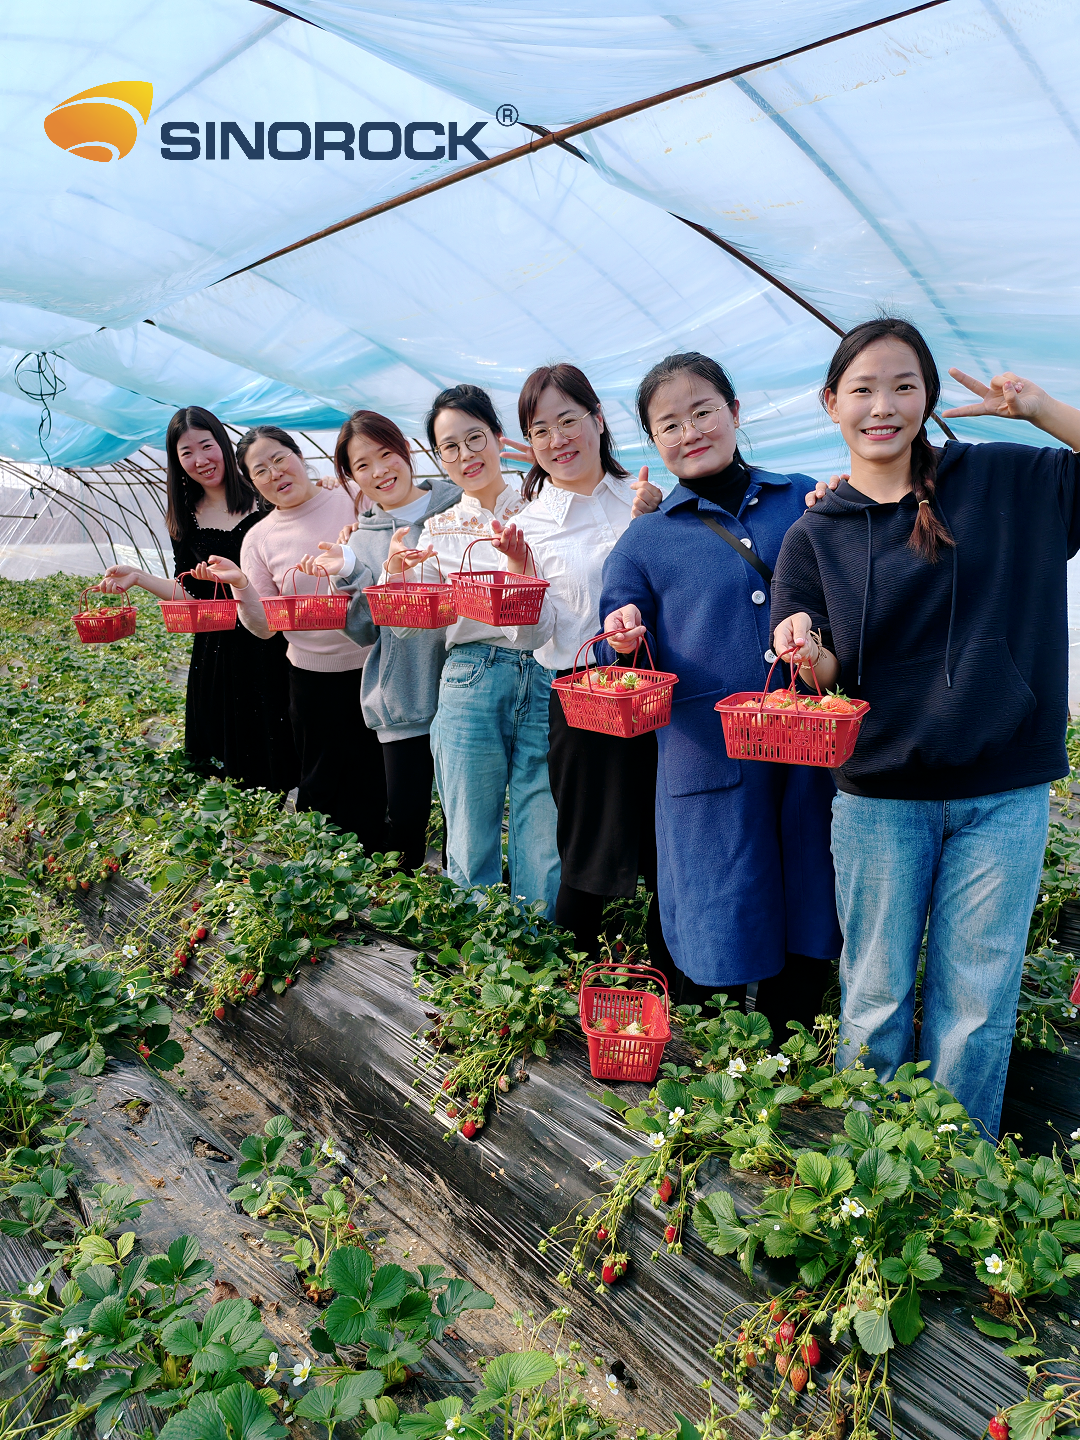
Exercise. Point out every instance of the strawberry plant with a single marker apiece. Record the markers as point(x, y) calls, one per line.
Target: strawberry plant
point(1056, 1411)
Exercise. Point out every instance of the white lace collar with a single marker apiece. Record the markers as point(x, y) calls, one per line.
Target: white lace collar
point(557, 502)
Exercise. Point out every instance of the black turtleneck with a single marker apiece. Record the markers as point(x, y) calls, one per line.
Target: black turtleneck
point(726, 488)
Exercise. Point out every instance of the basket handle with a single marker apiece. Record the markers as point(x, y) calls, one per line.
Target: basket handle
point(84, 602)
point(624, 968)
point(794, 675)
point(181, 576)
point(486, 540)
point(294, 569)
point(401, 571)
point(606, 634)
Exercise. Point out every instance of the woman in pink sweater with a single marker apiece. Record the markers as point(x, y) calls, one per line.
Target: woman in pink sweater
point(341, 769)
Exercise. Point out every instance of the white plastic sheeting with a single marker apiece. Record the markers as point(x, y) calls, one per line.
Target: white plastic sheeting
point(928, 163)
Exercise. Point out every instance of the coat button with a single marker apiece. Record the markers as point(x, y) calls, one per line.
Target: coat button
point(747, 543)
point(758, 597)
point(770, 656)
point(753, 501)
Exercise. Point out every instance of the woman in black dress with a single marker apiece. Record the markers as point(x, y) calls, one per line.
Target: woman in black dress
point(237, 720)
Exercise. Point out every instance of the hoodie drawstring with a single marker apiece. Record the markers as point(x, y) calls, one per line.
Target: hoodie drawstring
point(952, 613)
point(866, 587)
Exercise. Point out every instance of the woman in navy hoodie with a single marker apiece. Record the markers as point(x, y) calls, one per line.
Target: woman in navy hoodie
point(932, 584)
point(694, 579)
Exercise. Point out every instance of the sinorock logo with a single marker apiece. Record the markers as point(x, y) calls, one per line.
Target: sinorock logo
point(102, 123)
point(298, 140)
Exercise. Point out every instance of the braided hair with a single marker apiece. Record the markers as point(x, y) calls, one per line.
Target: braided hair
point(929, 532)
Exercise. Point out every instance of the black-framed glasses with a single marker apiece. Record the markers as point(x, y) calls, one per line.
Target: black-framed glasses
point(704, 419)
point(569, 428)
point(474, 441)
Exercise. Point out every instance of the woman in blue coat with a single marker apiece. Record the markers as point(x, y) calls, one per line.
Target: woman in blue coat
point(732, 836)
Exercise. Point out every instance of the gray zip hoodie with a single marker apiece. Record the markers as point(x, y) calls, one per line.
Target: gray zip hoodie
point(399, 693)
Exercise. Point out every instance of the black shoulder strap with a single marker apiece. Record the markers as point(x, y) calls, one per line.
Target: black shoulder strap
point(754, 561)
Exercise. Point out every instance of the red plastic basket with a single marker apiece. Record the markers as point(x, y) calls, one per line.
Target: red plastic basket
point(188, 617)
point(600, 699)
point(412, 604)
point(497, 597)
point(800, 733)
point(1074, 998)
point(105, 624)
point(306, 612)
point(615, 1056)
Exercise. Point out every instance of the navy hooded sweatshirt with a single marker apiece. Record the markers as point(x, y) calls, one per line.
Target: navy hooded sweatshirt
point(964, 662)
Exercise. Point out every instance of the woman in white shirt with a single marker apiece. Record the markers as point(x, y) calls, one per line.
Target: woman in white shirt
point(581, 502)
point(490, 732)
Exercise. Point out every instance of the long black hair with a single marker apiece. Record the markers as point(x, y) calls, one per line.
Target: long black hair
point(470, 400)
point(575, 385)
point(689, 362)
point(184, 493)
point(929, 531)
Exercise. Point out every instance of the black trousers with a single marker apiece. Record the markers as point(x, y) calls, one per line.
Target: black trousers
point(410, 770)
point(341, 762)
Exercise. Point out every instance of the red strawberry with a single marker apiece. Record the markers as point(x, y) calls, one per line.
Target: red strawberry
point(469, 1129)
point(664, 1189)
point(783, 1361)
point(671, 1234)
point(750, 1358)
point(85, 884)
point(448, 1083)
point(601, 1233)
point(614, 1268)
point(776, 1310)
point(144, 1051)
point(474, 1101)
point(452, 1111)
point(504, 1083)
point(200, 933)
point(786, 1333)
point(811, 1352)
point(194, 905)
point(288, 979)
point(798, 1376)
point(999, 1427)
point(608, 1025)
point(504, 1031)
point(219, 1013)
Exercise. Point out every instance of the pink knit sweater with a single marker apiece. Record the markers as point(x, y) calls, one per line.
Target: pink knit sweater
point(275, 544)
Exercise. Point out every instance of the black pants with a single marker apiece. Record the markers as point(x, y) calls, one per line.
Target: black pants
point(341, 763)
point(410, 769)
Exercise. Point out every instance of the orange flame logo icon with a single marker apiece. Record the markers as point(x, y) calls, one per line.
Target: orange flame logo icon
point(101, 124)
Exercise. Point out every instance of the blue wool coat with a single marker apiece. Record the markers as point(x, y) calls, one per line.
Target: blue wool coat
point(744, 868)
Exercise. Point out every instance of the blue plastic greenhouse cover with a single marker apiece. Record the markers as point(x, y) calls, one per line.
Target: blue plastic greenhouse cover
point(833, 157)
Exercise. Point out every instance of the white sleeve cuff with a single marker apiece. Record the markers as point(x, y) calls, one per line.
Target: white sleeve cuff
point(348, 562)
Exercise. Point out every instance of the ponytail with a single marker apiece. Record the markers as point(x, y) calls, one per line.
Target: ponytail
point(929, 531)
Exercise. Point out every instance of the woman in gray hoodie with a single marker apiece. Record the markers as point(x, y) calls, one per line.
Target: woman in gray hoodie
point(400, 689)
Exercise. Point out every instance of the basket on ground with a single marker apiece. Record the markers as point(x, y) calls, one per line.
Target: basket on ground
point(306, 612)
point(105, 623)
point(616, 699)
point(497, 597)
point(626, 1029)
point(412, 604)
point(191, 617)
point(788, 728)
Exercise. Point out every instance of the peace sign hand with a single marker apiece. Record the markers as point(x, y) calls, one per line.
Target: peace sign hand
point(1008, 396)
point(515, 450)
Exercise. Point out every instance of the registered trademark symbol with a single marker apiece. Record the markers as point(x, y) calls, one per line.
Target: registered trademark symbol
point(507, 115)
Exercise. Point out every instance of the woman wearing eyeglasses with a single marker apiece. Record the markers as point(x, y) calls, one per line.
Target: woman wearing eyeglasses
point(581, 502)
point(490, 732)
point(745, 875)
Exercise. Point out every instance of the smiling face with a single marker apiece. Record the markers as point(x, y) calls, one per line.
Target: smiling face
point(699, 452)
point(573, 464)
point(201, 458)
point(476, 468)
point(880, 403)
point(382, 475)
point(278, 473)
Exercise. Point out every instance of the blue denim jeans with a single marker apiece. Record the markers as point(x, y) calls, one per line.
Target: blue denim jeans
point(490, 734)
point(965, 873)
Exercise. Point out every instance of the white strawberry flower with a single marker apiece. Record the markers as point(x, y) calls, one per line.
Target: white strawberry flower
point(994, 1264)
point(736, 1067)
point(72, 1333)
point(301, 1370)
point(675, 1117)
point(271, 1367)
point(1075, 1135)
point(129, 952)
point(763, 1114)
point(80, 1361)
point(851, 1209)
point(1069, 1011)
point(783, 1062)
point(453, 1423)
point(16, 1315)
point(612, 1384)
point(947, 1129)
point(36, 1288)
point(656, 1141)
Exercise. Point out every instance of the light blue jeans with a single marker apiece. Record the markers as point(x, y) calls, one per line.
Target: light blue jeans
point(490, 734)
point(972, 869)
